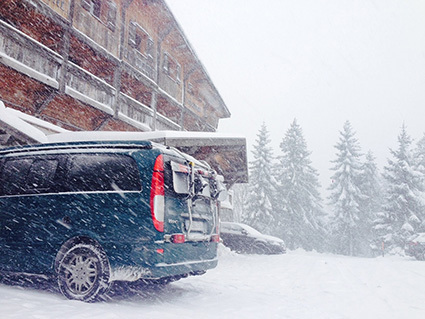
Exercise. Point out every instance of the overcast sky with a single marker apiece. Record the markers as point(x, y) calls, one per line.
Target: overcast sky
point(320, 61)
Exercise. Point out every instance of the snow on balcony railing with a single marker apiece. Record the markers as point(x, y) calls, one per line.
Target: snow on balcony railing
point(142, 63)
point(89, 89)
point(129, 108)
point(142, 116)
point(170, 86)
point(163, 123)
point(20, 52)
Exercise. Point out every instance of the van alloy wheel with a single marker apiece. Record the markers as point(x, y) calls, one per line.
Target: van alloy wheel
point(83, 273)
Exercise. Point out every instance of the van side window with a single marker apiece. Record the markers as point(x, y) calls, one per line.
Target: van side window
point(103, 172)
point(41, 174)
point(28, 176)
point(13, 177)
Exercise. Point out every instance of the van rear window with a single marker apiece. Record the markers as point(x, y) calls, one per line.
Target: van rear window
point(103, 172)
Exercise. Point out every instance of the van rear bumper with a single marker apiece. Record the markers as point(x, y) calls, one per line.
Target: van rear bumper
point(187, 267)
point(161, 270)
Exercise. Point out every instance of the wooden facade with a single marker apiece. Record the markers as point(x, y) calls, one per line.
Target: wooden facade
point(104, 65)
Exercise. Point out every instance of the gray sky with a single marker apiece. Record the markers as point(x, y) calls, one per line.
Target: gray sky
point(320, 61)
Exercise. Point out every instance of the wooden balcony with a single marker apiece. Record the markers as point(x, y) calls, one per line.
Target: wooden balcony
point(120, 84)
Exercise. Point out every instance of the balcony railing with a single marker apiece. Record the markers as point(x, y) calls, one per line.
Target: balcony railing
point(90, 89)
point(170, 86)
point(142, 63)
point(131, 110)
point(28, 56)
point(20, 52)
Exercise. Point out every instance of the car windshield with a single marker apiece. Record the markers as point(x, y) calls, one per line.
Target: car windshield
point(251, 231)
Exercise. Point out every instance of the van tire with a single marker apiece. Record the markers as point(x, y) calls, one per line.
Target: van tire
point(83, 273)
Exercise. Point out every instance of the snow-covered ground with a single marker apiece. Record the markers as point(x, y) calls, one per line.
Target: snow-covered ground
point(295, 285)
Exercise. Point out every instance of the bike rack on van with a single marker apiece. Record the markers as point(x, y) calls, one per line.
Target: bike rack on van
point(212, 175)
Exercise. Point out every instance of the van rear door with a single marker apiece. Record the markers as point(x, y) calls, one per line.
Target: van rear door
point(191, 214)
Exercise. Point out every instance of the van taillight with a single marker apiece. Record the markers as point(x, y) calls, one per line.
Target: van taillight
point(157, 194)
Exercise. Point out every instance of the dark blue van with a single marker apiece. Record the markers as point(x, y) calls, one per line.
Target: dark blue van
point(90, 213)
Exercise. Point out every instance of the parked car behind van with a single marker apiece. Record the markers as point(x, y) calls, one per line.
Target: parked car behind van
point(90, 213)
point(242, 238)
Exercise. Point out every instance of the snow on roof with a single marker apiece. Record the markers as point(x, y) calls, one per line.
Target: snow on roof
point(44, 126)
point(25, 126)
point(225, 153)
point(157, 136)
point(10, 121)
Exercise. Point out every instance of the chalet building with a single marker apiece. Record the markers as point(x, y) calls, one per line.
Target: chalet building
point(104, 65)
point(107, 65)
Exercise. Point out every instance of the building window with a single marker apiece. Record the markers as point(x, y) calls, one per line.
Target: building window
point(112, 15)
point(140, 40)
point(105, 11)
point(92, 6)
point(190, 89)
point(171, 67)
point(59, 4)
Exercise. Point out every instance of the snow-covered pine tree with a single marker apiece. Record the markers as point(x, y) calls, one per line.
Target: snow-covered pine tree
point(419, 154)
point(403, 208)
point(240, 199)
point(259, 210)
point(346, 194)
point(299, 205)
point(370, 205)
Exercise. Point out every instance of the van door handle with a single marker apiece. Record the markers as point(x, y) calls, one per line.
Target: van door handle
point(66, 220)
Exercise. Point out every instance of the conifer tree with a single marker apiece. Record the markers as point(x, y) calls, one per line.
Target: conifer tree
point(371, 204)
point(403, 208)
point(346, 194)
point(419, 154)
point(240, 200)
point(259, 210)
point(300, 208)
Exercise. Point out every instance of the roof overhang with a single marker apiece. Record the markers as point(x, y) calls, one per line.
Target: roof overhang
point(17, 128)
